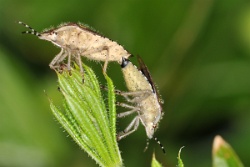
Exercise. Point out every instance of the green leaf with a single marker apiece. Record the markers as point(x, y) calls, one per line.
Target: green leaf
point(85, 117)
point(155, 163)
point(112, 106)
point(180, 163)
point(224, 155)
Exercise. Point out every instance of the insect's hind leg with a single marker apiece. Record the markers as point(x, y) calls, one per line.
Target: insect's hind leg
point(98, 50)
point(134, 124)
point(106, 61)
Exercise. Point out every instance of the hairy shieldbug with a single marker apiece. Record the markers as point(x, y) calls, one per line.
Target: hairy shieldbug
point(76, 40)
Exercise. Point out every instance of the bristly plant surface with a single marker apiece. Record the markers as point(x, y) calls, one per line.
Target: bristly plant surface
point(86, 117)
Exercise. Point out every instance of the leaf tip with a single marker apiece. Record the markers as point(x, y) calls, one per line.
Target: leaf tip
point(180, 162)
point(218, 142)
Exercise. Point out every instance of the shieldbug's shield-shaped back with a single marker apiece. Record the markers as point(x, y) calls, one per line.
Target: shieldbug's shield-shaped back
point(76, 40)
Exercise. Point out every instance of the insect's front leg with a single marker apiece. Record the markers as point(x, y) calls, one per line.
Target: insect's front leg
point(65, 54)
point(134, 124)
point(57, 59)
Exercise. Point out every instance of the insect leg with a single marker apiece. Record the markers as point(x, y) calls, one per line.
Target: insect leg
point(80, 65)
point(90, 52)
point(127, 106)
point(106, 61)
point(123, 114)
point(62, 57)
point(56, 59)
point(146, 93)
point(134, 93)
point(134, 124)
point(69, 61)
point(138, 95)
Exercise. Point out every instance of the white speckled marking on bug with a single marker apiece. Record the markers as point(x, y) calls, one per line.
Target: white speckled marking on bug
point(145, 100)
point(76, 40)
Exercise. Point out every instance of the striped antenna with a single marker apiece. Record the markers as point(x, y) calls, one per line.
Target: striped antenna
point(146, 147)
point(32, 30)
point(158, 142)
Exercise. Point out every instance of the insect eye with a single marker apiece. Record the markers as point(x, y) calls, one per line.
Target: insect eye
point(53, 33)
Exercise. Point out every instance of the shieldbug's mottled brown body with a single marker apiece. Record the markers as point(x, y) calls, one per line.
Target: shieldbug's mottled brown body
point(144, 97)
point(76, 40)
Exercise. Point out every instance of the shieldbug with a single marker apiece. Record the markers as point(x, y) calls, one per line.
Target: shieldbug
point(76, 40)
point(144, 97)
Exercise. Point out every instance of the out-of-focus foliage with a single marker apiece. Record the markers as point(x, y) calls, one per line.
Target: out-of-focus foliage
point(180, 162)
point(224, 155)
point(198, 53)
point(154, 162)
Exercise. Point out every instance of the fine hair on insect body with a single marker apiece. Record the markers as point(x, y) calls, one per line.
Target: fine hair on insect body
point(143, 98)
point(76, 40)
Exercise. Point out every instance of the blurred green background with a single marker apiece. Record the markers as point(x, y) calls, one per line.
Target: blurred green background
point(198, 52)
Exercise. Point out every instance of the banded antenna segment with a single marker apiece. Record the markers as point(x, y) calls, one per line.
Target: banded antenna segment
point(158, 142)
point(32, 30)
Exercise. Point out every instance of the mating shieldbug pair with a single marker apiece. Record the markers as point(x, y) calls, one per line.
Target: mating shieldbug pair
point(76, 40)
